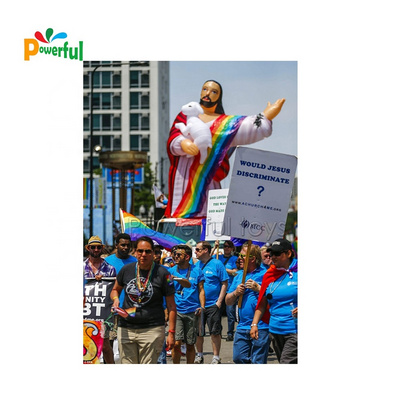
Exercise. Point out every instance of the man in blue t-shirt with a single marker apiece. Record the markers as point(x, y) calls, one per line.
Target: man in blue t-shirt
point(189, 300)
point(245, 349)
point(228, 258)
point(122, 255)
point(215, 286)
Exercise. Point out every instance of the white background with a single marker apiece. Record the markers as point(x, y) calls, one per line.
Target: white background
point(348, 177)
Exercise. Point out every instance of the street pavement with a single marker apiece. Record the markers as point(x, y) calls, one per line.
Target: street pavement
point(226, 352)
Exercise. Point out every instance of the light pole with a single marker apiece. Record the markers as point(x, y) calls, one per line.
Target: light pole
point(161, 164)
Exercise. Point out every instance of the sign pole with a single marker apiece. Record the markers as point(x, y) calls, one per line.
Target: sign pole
point(246, 263)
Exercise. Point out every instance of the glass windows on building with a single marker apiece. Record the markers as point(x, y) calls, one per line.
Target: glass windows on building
point(103, 122)
point(102, 79)
point(103, 101)
point(139, 79)
point(86, 164)
point(139, 100)
point(107, 142)
point(139, 143)
point(86, 81)
point(116, 80)
point(139, 122)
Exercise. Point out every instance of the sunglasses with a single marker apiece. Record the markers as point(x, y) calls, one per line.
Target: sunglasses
point(197, 249)
point(227, 245)
point(175, 254)
point(147, 251)
point(276, 253)
point(95, 247)
point(242, 256)
point(157, 252)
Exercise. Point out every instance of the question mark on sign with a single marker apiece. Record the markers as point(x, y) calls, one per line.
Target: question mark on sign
point(261, 189)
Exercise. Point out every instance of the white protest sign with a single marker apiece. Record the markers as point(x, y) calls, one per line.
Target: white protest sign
point(215, 214)
point(259, 195)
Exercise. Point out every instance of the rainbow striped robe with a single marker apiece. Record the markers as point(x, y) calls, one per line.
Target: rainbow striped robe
point(215, 167)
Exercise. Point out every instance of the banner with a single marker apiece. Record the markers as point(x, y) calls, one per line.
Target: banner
point(93, 337)
point(98, 302)
point(99, 192)
point(259, 194)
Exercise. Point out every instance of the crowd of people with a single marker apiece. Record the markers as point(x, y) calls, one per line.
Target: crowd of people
point(164, 302)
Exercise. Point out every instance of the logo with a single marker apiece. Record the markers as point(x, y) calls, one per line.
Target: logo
point(137, 297)
point(32, 46)
point(255, 228)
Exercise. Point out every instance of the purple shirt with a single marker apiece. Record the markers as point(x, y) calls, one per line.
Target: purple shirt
point(105, 269)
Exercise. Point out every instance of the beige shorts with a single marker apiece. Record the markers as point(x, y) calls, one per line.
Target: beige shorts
point(140, 346)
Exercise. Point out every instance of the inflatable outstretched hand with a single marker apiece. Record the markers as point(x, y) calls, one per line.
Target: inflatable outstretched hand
point(273, 110)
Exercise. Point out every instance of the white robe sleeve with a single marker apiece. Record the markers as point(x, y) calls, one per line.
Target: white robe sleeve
point(253, 129)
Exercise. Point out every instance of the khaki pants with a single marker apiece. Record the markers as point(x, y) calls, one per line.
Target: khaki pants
point(140, 346)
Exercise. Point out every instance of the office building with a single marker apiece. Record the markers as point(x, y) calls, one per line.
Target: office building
point(130, 112)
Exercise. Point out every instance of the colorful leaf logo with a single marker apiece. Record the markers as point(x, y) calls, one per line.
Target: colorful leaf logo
point(49, 33)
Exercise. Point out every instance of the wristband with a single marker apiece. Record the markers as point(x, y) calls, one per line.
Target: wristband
point(253, 324)
point(115, 297)
point(171, 331)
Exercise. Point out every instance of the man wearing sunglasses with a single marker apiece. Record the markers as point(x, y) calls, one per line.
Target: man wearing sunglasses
point(245, 349)
point(96, 267)
point(215, 285)
point(141, 332)
point(190, 301)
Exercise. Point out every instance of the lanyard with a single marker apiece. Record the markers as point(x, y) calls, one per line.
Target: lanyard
point(206, 263)
point(180, 287)
point(269, 295)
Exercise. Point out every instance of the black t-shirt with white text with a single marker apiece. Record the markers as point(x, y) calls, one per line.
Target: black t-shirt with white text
point(149, 303)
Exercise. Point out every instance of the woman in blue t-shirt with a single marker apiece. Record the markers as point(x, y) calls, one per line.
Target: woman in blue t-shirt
point(278, 299)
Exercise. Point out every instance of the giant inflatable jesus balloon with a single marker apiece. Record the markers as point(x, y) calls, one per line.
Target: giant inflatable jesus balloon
point(191, 174)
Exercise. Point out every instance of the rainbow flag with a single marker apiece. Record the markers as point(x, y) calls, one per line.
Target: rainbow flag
point(131, 311)
point(134, 227)
point(223, 132)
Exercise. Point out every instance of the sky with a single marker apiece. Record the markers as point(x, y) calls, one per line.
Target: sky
point(347, 123)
